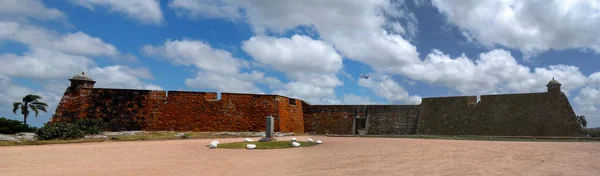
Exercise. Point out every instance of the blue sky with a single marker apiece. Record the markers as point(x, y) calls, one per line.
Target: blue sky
point(313, 50)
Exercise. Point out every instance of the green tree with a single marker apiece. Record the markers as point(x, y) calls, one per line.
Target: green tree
point(582, 121)
point(29, 102)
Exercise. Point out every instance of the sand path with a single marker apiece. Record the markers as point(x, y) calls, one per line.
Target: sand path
point(336, 156)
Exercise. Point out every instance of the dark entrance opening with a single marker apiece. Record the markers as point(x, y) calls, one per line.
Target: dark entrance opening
point(361, 124)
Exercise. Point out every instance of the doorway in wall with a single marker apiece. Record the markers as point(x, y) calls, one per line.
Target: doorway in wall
point(361, 125)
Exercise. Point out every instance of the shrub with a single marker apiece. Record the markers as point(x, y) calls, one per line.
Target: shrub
point(59, 130)
point(593, 132)
point(71, 130)
point(91, 125)
point(9, 126)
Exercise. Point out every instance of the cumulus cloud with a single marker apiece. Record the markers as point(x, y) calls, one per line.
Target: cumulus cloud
point(11, 9)
point(119, 76)
point(311, 64)
point(43, 64)
point(73, 43)
point(12, 92)
point(217, 69)
point(204, 9)
point(52, 57)
point(356, 28)
point(296, 54)
point(495, 71)
point(529, 26)
point(145, 11)
point(358, 100)
point(308, 92)
point(196, 53)
point(375, 33)
point(588, 101)
point(384, 86)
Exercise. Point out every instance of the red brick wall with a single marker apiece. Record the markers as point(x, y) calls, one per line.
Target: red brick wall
point(180, 111)
point(233, 112)
point(290, 115)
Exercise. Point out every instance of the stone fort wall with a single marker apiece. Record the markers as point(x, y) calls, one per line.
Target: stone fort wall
point(531, 114)
point(125, 109)
point(379, 119)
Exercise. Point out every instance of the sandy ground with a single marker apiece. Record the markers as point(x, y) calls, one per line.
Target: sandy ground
point(336, 156)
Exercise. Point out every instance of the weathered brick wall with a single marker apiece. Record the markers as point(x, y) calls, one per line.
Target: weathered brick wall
point(198, 111)
point(180, 111)
point(329, 119)
point(72, 105)
point(533, 114)
point(291, 116)
point(122, 109)
point(392, 119)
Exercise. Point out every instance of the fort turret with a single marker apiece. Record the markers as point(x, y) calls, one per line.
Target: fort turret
point(81, 81)
point(553, 86)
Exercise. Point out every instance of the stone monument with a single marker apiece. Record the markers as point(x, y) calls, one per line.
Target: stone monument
point(269, 131)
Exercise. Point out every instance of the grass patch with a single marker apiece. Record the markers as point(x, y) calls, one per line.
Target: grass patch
point(145, 136)
point(265, 145)
point(155, 135)
point(169, 135)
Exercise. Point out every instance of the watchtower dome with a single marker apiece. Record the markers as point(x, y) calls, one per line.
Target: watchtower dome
point(554, 86)
point(81, 81)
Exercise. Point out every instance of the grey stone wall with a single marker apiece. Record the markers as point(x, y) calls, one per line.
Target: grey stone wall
point(392, 119)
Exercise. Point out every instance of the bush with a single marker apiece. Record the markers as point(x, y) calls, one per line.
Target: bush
point(59, 130)
point(71, 130)
point(9, 126)
point(593, 132)
point(91, 125)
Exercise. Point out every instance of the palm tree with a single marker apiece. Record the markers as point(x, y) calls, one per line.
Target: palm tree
point(30, 102)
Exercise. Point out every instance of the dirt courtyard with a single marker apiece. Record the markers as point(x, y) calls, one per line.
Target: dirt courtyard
point(336, 156)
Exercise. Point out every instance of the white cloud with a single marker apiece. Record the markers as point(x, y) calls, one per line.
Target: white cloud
point(196, 53)
point(493, 72)
point(204, 9)
point(312, 65)
point(355, 27)
point(218, 69)
point(145, 11)
point(53, 57)
point(222, 82)
point(43, 64)
point(296, 54)
point(11, 92)
point(594, 79)
point(375, 33)
point(588, 101)
point(588, 104)
point(307, 92)
point(11, 9)
point(529, 26)
point(72, 43)
point(357, 100)
point(119, 76)
point(384, 86)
